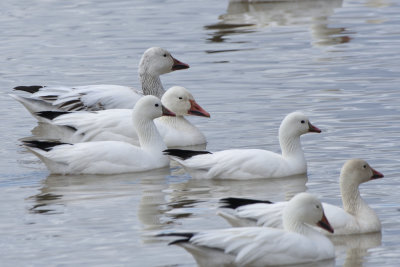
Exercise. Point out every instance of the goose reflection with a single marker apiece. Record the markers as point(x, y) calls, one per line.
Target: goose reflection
point(355, 247)
point(378, 3)
point(153, 202)
point(246, 16)
point(145, 188)
point(195, 195)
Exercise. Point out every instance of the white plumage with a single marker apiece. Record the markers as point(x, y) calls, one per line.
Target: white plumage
point(356, 217)
point(257, 246)
point(154, 62)
point(252, 163)
point(111, 157)
point(117, 124)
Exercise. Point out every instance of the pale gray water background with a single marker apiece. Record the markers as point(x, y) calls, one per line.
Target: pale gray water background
point(250, 66)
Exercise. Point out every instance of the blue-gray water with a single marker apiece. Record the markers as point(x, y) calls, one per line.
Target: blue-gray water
point(251, 64)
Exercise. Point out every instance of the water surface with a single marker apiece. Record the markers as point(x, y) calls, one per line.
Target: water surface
point(251, 64)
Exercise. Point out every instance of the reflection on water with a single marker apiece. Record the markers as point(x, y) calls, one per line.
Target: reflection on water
point(160, 203)
point(195, 195)
point(270, 69)
point(43, 202)
point(165, 200)
point(154, 203)
point(282, 188)
point(223, 29)
point(355, 247)
point(244, 17)
point(325, 35)
point(58, 190)
point(378, 3)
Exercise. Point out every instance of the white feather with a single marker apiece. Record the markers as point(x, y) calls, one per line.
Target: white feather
point(112, 157)
point(355, 218)
point(154, 62)
point(259, 246)
point(117, 124)
point(256, 163)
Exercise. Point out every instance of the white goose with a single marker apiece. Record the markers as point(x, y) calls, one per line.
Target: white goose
point(110, 157)
point(297, 243)
point(117, 124)
point(252, 163)
point(356, 217)
point(154, 62)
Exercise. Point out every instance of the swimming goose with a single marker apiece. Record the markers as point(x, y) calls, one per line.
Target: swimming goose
point(252, 163)
point(297, 243)
point(110, 157)
point(356, 217)
point(117, 124)
point(154, 62)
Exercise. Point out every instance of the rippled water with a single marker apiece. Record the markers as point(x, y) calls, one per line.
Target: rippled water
point(251, 64)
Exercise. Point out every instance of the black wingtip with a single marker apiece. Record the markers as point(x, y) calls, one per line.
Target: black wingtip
point(187, 237)
point(184, 154)
point(43, 145)
point(30, 89)
point(234, 202)
point(51, 114)
point(184, 240)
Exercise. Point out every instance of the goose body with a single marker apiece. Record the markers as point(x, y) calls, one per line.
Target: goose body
point(356, 217)
point(154, 62)
point(257, 246)
point(117, 124)
point(110, 157)
point(252, 163)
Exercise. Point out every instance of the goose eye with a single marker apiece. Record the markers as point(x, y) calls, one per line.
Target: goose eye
point(303, 121)
point(180, 97)
point(317, 206)
point(165, 55)
point(364, 166)
point(156, 105)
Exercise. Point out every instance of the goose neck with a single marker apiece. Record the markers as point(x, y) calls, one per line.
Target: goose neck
point(149, 137)
point(352, 200)
point(151, 84)
point(290, 146)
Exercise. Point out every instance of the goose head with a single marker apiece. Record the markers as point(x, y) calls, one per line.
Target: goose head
point(302, 209)
point(357, 171)
point(150, 107)
point(296, 124)
point(180, 101)
point(156, 61)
